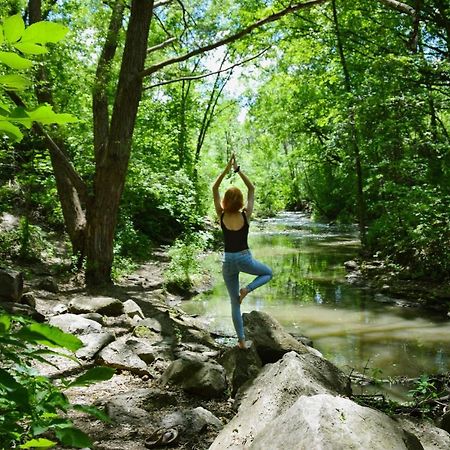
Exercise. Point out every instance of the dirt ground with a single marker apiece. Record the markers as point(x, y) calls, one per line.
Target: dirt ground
point(131, 429)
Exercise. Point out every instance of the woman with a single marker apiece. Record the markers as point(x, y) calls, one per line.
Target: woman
point(234, 221)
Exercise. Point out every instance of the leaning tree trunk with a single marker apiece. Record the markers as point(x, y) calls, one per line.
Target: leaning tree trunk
point(73, 213)
point(112, 163)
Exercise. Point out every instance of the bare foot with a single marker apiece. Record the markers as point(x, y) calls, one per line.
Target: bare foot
point(242, 345)
point(242, 294)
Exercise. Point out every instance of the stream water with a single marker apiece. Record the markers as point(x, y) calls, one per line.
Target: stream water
point(310, 296)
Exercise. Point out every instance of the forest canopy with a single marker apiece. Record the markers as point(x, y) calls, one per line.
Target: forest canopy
point(114, 132)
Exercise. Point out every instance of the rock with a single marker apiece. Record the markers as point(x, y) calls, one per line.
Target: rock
point(354, 278)
point(351, 266)
point(327, 422)
point(96, 317)
point(150, 323)
point(128, 407)
point(191, 421)
point(269, 337)
point(8, 222)
point(28, 299)
point(444, 422)
point(93, 343)
point(430, 436)
point(60, 308)
point(23, 310)
point(273, 391)
point(121, 355)
point(159, 398)
point(74, 324)
point(143, 348)
point(205, 379)
point(107, 306)
point(48, 284)
point(11, 285)
point(144, 332)
point(132, 309)
point(240, 366)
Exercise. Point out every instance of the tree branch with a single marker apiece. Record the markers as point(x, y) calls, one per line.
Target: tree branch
point(162, 45)
point(399, 6)
point(234, 37)
point(161, 3)
point(198, 77)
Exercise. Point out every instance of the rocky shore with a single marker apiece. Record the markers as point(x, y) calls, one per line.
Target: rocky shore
point(391, 286)
point(176, 386)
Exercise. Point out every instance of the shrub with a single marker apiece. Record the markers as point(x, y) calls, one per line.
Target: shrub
point(32, 408)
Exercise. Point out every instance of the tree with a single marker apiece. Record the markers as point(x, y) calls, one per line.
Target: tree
point(113, 132)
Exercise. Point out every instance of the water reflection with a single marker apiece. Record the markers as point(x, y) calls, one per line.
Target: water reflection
point(309, 296)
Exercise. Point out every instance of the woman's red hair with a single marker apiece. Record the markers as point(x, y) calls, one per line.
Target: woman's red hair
point(233, 200)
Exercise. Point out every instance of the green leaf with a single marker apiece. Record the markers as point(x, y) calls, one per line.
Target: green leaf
point(15, 61)
point(93, 411)
point(14, 82)
point(30, 49)
point(13, 27)
point(73, 437)
point(2, 37)
point(93, 375)
point(15, 391)
point(5, 323)
point(46, 115)
point(43, 32)
point(10, 130)
point(45, 334)
point(38, 443)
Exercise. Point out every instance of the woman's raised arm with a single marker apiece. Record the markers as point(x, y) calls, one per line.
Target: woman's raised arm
point(250, 189)
point(215, 187)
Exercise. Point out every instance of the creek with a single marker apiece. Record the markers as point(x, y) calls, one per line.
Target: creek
point(352, 326)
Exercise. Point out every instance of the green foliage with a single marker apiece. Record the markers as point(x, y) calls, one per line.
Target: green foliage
point(27, 242)
point(31, 41)
point(185, 268)
point(32, 408)
point(161, 205)
point(414, 231)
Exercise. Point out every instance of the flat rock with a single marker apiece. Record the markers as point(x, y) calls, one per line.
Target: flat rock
point(107, 306)
point(121, 354)
point(93, 343)
point(74, 324)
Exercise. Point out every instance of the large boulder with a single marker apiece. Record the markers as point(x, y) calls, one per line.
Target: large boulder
point(332, 423)
point(269, 337)
point(430, 436)
point(206, 379)
point(11, 285)
point(107, 306)
point(276, 389)
point(240, 366)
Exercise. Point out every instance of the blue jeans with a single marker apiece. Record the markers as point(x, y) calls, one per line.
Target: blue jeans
point(233, 264)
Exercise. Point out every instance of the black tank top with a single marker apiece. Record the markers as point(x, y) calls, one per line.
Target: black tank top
point(235, 240)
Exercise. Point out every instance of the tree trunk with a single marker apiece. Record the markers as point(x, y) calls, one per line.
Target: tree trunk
point(112, 167)
point(74, 217)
